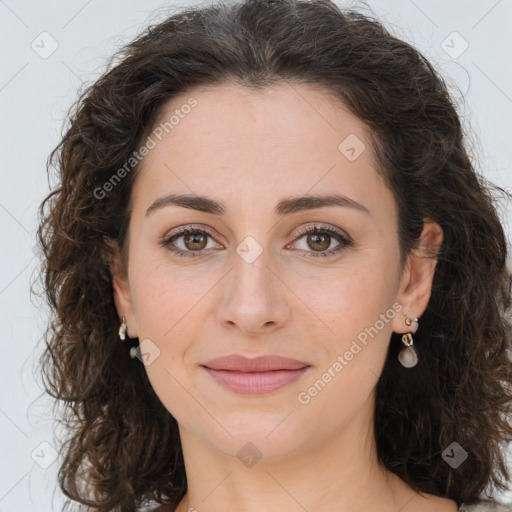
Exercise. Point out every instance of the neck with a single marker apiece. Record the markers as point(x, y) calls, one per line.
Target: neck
point(338, 472)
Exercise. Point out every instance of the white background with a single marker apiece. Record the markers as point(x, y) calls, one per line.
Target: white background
point(35, 94)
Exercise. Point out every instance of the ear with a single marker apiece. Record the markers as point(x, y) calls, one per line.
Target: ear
point(121, 287)
point(416, 283)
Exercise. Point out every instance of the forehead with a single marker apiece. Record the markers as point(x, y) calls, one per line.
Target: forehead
point(285, 139)
point(230, 113)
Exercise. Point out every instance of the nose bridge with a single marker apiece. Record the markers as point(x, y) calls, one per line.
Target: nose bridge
point(252, 277)
point(253, 297)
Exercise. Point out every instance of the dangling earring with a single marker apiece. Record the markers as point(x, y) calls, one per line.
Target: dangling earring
point(408, 357)
point(122, 335)
point(122, 330)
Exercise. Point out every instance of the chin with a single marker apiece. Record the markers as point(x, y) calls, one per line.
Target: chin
point(255, 436)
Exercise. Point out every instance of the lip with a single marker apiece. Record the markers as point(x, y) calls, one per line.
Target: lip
point(240, 363)
point(255, 376)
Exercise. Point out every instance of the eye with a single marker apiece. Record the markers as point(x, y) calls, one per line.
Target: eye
point(319, 238)
point(194, 241)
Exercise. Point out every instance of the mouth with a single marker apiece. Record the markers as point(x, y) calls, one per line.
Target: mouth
point(255, 376)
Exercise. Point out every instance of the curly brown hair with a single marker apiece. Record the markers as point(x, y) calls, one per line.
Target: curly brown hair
point(461, 388)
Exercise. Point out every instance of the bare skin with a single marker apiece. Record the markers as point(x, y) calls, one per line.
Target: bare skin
point(250, 150)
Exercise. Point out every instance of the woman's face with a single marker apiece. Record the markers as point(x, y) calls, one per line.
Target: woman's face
point(251, 281)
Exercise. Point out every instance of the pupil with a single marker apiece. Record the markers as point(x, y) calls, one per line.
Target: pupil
point(195, 238)
point(315, 238)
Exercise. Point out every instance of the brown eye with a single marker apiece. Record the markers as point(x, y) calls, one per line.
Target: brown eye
point(188, 242)
point(317, 239)
point(195, 241)
point(319, 242)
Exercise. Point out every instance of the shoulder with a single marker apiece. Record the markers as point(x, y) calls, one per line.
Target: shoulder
point(485, 506)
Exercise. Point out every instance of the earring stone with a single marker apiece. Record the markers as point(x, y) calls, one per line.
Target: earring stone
point(408, 356)
point(122, 330)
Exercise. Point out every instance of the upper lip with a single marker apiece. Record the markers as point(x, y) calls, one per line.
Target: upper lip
point(240, 363)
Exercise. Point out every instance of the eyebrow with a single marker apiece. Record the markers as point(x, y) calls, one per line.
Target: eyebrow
point(284, 207)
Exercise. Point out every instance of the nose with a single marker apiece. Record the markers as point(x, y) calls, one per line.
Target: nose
point(254, 300)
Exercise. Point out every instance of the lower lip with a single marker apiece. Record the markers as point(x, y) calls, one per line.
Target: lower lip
point(256, 383)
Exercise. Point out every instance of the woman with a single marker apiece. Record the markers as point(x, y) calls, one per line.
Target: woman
point(278, 282)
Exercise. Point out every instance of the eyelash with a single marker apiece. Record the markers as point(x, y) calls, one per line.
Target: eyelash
point(332, 232)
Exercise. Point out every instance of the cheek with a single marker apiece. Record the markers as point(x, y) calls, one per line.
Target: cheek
point(168, 308)
point(163, 293)
point(358, 309)
point(171, 305)
point(352, 301)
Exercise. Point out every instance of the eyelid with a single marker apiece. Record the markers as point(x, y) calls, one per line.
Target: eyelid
point(317, 227)
point(184, 230)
